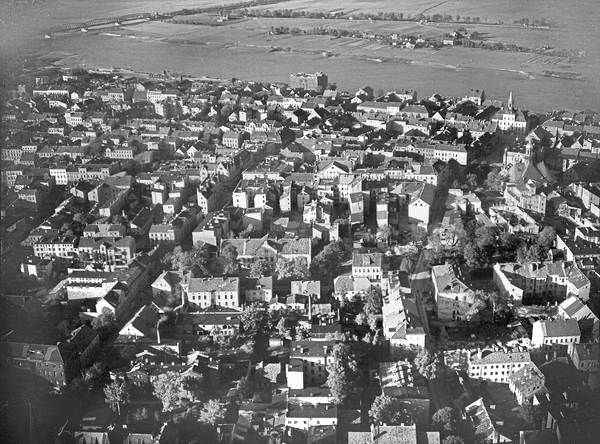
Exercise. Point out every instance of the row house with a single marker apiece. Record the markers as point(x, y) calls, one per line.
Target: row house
point(526, 196)
point(50, 246)
point(108, 250)
point(177, 229)
point(496, 366)
point(556, 280)
point(72, 173)
point(212, 291)
point(212, 229)
point(226, 323)
point(419, 198)
point(308, 363)
point(402, 326)
point(270, 250)
point(255, 194)
point(104, 230)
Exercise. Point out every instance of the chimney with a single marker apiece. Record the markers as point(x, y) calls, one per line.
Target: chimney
point(158, 332)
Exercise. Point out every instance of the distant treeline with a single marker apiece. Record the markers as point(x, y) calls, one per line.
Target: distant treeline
point(387, 16)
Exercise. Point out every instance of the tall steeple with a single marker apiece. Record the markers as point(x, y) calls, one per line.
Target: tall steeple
point(511, 102)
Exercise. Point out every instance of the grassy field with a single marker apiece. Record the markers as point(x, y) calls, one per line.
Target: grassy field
point(20, 20)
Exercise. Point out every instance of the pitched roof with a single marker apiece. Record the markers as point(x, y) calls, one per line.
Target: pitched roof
point(560, 328)
point(528, 380)
point(501, 357)
point(201, 285)
point(367, 260)
point(451, 278)
point(385, 435)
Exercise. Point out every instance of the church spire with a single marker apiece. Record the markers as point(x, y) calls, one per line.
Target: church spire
point(511, 102)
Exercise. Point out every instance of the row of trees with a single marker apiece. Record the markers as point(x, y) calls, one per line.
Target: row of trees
point(168, 388)
point(383, 16)
point(483, 246)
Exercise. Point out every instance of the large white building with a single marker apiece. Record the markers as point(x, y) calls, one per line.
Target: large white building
point(559, 334)
point(496, 366)
point(215, 291)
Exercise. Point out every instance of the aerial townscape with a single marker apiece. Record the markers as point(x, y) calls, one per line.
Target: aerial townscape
point(199, 260)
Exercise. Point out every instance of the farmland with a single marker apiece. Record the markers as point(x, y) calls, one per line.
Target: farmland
point(244, 47)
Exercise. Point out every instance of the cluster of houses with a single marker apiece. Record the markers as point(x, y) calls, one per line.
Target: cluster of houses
point(142, 167)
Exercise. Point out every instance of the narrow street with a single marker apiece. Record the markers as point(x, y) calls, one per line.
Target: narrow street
point(420, 283)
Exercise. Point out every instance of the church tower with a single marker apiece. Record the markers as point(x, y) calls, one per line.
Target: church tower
point(529, 152)
point(511, 102)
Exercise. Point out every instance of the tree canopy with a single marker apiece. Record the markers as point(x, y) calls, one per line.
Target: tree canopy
point(429, 365)
point(345, 378)
point(293, 269)
point(211, 412)
point(445, 418)
point(254, 317)
point(196, 259)
point(260, 267)
point(167, 387)
point(326, 264)
point(385, 410)
point(117, 393)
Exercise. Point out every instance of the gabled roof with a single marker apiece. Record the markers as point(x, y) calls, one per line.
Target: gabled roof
point(451, 278)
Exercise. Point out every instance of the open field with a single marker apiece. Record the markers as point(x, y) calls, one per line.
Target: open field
point(243, 48)
point(22, 20)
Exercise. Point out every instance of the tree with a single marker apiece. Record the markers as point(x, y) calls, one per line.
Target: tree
point(531, 414)
point(325, 265)
point(345, 378)
point(140, 414)
point(105, 322)
point(230, 254)
point(546, 238)
point(361, 319)
point(385, 233)
point(254, 317)
point(211, 412)
point(93, 373)
point(385, 410)
point(80, 218)
point(494, 180)
point(117, 393)
point(369, 239)
point(250, 232)
point(245, 388)
point(453, 439)
point(472, 180)
point(197, 259)
point(499, 303)
point(259, 267)
point(444, 417)
point(373, 301)
point(282, 326)
point(429, 365)
point(300, 268)
point(475, 307)
point(167, 388)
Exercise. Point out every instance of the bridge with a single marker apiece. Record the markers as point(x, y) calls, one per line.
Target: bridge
point(84, 26)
